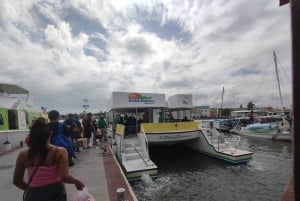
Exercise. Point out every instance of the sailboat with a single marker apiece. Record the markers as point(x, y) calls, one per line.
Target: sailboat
point(279, 129)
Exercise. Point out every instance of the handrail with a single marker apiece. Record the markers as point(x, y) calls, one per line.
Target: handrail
point(237, 141)
point(237, 124)
point(146, 141)
point(137, 151)
point(231, 139)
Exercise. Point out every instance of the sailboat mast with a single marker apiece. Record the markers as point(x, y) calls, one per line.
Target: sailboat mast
point(222, 103)
point(278, 81)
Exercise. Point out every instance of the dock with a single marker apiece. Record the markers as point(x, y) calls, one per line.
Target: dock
point(96, 167)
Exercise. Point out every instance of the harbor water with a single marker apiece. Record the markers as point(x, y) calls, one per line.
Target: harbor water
point(185, 175)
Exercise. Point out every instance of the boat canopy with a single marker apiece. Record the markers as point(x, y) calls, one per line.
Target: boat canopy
point(12, 89)
point(15, 97)
point(180, 101)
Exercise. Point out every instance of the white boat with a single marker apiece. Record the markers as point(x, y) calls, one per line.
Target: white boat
point(17, 112)
point(276, 135)
point(140, 127)
point(277, 130)
point(274, 127)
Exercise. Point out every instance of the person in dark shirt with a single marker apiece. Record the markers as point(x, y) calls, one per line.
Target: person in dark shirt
point(88, 127)
point(75, 129)
point(251, 117)
point(53, 125)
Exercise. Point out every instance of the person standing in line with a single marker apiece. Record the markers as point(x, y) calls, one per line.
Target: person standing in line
point(116, 121)
point(88, 128)
point(95, 133)
point(47, 167)
point(75, 130)
point(54, 117)
point(161, 118)
point(102, 126)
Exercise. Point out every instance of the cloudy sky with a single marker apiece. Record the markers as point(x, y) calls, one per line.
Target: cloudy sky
point(67, 51)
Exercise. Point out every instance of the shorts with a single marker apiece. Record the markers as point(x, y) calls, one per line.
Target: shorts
point(51, 192)
point(87, 134)
point(75, 135)
point(103, 131)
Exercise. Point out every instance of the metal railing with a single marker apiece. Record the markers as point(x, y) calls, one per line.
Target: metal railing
point(145, 142)
point(235, 140)
point(231, 140)
point(140, 155)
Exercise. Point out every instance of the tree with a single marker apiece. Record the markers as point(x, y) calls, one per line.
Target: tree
point(250, 106)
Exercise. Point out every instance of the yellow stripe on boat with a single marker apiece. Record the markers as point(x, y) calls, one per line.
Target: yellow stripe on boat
point(169, 127)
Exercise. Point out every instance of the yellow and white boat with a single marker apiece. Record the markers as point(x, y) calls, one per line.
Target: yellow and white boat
point(145, 119)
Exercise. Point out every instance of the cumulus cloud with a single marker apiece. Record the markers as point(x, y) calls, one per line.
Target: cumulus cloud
point(67, 51)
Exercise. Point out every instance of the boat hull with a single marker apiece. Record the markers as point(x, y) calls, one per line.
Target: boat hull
point(171, 137)
point(233, 156)
point(132, 154)
point(15, 137)
point(264, 135)
point(135, 170)
point(170, 133)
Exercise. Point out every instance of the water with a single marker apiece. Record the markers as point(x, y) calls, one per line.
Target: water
point(191, 176)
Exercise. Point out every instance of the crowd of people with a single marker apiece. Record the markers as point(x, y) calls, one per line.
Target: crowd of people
point(48, 164)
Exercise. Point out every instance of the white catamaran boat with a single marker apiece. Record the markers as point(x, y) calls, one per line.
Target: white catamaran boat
point(145, 119)
point(17, 112)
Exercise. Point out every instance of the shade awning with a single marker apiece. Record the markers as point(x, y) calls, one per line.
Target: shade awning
point(12, 89)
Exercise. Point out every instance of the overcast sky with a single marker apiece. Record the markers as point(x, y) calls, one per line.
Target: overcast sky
point(67, 51)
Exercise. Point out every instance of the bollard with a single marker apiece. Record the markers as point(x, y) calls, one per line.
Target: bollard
point(21, 143)
point(120, 194)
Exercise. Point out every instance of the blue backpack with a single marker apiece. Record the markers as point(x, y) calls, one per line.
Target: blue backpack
point(61, 140)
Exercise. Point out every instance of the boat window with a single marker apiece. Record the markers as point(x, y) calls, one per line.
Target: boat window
point(1, 120)
point(12, 119)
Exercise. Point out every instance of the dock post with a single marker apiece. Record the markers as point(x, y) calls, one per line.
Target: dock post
point(120, 193)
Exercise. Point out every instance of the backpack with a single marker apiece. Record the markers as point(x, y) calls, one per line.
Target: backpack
point(61, 140)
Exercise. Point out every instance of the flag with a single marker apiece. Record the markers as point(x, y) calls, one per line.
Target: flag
point(283, 2)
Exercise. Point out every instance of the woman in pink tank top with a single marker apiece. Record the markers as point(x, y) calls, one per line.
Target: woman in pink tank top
point(47, 167)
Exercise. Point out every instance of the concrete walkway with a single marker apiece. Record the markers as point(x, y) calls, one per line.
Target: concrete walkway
point(99, 171)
